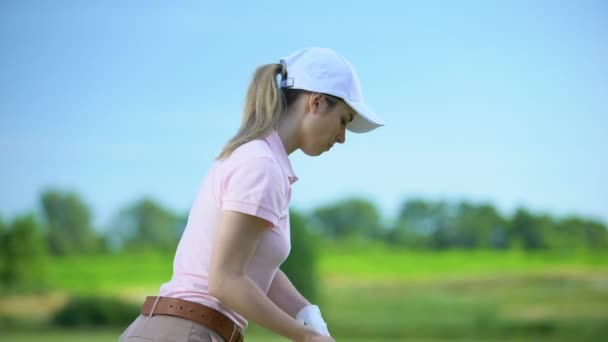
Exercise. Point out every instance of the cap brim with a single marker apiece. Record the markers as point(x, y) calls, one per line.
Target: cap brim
point(365, 120)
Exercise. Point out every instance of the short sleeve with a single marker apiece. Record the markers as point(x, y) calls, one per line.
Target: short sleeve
point(255, 188)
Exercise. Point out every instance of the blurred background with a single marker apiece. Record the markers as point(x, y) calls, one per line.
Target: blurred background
point(479, 212)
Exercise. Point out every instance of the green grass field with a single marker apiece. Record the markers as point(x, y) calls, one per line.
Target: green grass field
point(119, 274)
point(387, 295)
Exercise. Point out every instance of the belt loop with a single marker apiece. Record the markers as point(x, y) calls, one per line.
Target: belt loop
point(154, 306)
point(233, 331)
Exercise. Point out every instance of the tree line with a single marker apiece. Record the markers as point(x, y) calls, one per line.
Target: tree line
point(63, 226)
point(423, 224)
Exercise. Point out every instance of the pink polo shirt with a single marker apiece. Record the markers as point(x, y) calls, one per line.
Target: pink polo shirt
point(255, 180)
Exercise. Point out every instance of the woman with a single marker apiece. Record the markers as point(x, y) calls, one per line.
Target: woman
point(226, 268)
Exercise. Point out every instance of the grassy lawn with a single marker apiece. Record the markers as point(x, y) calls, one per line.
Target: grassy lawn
point(539, 307)
point(381, 264)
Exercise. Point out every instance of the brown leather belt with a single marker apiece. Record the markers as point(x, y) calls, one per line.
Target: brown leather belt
point(195, 312)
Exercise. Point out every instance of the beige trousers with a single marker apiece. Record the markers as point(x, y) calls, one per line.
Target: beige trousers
point(162, 328)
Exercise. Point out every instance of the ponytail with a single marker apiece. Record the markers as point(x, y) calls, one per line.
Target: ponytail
point(263, 107)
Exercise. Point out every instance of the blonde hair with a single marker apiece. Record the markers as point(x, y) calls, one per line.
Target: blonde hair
point(263, 107)
point(264, 104)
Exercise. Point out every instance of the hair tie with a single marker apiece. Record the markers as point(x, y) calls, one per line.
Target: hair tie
point(282, 71)
point(285, 82)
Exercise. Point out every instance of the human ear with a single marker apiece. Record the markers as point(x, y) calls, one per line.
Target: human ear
point(314, 102)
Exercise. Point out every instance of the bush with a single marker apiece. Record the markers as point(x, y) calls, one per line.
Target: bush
point(3, 258)
point(97, 312)
point(25, 261)
point(301, 265)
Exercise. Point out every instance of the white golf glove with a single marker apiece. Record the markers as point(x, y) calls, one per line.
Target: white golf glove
point(310, 315)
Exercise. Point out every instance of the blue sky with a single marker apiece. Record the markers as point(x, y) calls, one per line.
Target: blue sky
point(502, 101)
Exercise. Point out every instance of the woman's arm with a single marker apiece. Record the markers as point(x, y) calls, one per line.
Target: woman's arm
point(285, 295)
point(236, 240)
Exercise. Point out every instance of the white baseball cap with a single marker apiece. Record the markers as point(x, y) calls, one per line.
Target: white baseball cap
point(325, 71)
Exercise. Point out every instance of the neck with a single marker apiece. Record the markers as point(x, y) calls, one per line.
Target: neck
point(288, 127)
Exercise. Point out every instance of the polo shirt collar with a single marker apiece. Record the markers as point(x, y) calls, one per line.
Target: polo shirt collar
point(278, 149)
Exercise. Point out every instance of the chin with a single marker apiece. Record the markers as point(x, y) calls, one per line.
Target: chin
point(316, 154)
point(313, 153)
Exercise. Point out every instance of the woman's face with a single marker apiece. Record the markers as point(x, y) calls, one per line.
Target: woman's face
point(324, 125)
